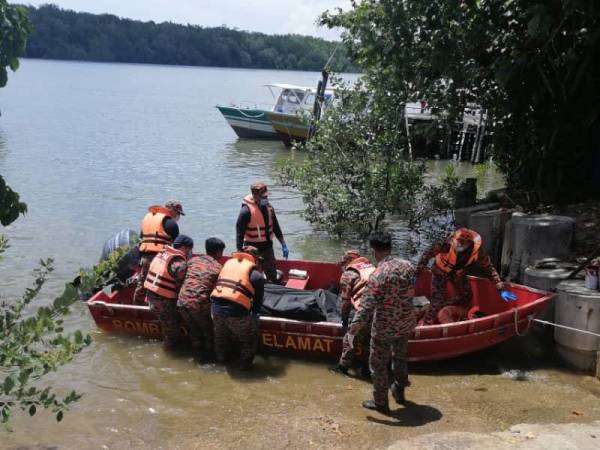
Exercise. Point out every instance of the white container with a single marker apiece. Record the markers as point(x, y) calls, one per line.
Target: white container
point(591, 278)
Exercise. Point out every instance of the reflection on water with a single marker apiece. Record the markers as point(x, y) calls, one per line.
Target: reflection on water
point(89, 147)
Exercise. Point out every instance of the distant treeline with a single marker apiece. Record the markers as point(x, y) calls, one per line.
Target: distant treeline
point(65, 34)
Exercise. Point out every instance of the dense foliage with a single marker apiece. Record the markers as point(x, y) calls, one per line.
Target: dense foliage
point(14, 28)
point(63, 34)
point(532, 64)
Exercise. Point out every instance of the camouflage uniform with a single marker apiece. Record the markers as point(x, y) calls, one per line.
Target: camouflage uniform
point(439, 280)
point(194, 300)
point(387, 305)
point(347, 282)
point(140, 291)
point(244, 329)
point(166, 309)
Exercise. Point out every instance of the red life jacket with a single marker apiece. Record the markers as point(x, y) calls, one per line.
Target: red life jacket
point(256, 230)
point(364, 269)
point(448, 262)
point(159, 279)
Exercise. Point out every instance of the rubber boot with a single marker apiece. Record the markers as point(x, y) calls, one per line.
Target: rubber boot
point(398, 394)
point(365, 372)
point(370, 404)
point(338, 368)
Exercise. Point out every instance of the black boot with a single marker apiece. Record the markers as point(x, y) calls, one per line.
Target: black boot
point(370, 404)
point(398, 394)
point(338, 368)
point(365, 372)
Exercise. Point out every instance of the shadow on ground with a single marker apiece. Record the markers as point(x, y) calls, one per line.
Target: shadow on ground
point(412, 415)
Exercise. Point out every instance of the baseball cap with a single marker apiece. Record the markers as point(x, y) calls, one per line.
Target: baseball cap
point(259, 187)
point(183, 241)
point(175, 205)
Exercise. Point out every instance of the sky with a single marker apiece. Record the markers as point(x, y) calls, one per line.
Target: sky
point(267, 16)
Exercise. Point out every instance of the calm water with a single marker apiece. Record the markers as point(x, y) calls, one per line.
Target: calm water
point(89, 147)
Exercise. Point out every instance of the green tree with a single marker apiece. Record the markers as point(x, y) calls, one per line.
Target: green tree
point(64, 34)
point(357, 169)
point(532, 64)
point(14, 29)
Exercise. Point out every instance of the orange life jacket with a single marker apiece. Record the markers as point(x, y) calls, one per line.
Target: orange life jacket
point(159, 279)
point(364, 269)
point(256, 230)
point(447, 262)
point(154, 238)
point(234, 280)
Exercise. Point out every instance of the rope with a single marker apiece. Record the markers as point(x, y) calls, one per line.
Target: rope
point(529, 320)
point(566, 327)
point(333, 53)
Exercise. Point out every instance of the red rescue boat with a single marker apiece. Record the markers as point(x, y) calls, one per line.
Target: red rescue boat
point(114, 313)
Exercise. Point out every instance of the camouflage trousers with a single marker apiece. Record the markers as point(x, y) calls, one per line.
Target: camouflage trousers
point(351, 355)
point(438, 300)
point(200, 326)
point(168, 316)
point(228, 330)
point(386, 352)
point(140, 291)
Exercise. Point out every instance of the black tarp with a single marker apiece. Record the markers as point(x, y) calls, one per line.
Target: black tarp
point(308, 305)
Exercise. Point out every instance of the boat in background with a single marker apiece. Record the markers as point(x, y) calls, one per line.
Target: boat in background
point(500, 321)
point(252, 122)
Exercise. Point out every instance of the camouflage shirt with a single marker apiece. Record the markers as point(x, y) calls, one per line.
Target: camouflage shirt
point(483, 260)
point(202, 274)
point(348, 280)
point(388, 300)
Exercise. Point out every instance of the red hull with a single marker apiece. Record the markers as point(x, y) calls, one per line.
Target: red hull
point(324, 339)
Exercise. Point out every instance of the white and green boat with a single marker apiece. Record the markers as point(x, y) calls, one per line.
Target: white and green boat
point(252, 122)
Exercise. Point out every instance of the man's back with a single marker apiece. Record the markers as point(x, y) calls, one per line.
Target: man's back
point(388, 297)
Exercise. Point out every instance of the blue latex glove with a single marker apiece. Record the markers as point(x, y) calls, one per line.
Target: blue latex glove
point(285, 250)
point(508, 296)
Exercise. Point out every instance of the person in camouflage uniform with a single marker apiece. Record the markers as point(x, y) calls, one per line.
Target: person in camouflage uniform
point(387, 308)
point(351, 291)
point(194, 296)
point(236, 306)
point(165, 277)
point(451, 257)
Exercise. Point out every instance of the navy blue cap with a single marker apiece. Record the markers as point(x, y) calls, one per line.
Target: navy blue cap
point(183, 241)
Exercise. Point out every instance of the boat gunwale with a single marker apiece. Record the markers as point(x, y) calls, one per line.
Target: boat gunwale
point(444, 329)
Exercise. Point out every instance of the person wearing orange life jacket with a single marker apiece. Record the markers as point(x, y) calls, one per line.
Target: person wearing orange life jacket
point(451, 257)
point(256, 226)
point(165, 277)
point(356, 271)
point(159, 229)
point(236, 302)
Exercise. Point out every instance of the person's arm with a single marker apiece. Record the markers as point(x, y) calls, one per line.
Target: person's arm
point(258, 282)
point(431, 252)
point(368, 303)
point(486, 264)
point(177, 270)
point(277, 229)
point(240, 226)
point(349, 277)
point(171, 228)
